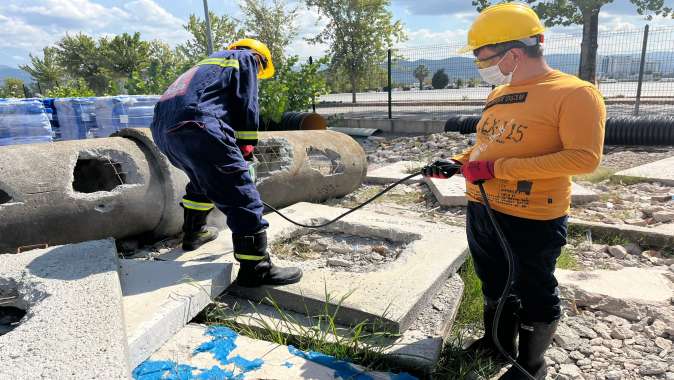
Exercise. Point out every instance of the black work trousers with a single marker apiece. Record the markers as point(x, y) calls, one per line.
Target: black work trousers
point(536, 245)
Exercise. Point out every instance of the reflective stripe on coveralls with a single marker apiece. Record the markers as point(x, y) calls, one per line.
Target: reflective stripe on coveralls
point(223, 62)
point(239, 256)
point(198, 206)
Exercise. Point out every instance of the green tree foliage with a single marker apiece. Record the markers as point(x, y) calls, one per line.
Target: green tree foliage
point(12, 88)
point(164, 65)
point(272, 23)
point(359, 33)
point(292, 89)
point(124, 53)
point(440, 79)
point(586, 13)
point(224, 31)
point(74, 89)
point(421, 72)
point(459, 83)
point(44, 70)
point(81, 57)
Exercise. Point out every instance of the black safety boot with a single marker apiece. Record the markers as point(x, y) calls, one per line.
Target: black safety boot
point(507, 330)
point(534, 340)
point(256, 268)
point(195, 231)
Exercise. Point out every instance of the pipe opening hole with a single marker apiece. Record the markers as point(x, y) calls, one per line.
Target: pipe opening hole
point(4, 197)
point(97, 174)
point(11, 314)
point(327, 162)
point(272, 155)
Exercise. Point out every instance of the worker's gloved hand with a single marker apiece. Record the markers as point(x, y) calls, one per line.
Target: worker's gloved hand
point(441, 169)
point(476, 171)
point(247, 151)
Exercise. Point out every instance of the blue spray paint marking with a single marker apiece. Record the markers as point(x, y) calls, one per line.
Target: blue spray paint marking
point(288, 364)
point(162, 370)
point(220, 346)
point(342, 369)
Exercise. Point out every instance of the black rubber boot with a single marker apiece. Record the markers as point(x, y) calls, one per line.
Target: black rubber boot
point(534, 341)
point(195, 231)
point(507, 331)
point(256, 267)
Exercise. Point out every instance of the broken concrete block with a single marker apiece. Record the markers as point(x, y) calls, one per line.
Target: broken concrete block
point(659, 171)
point(417, 349)
point(73, 326)
point(217, 352)
point(451, 192)
point(625, 293)
point(161, 297)
point(394, 293)
point(395, 172)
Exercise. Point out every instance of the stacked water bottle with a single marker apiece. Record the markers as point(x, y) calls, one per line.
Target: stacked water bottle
point(117, 112)
point(23, 121)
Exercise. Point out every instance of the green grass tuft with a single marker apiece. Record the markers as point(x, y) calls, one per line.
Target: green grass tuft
point(472, 304)
point(600, 174)
point(567, 261)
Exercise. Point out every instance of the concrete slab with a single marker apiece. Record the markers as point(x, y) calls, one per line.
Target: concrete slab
point(659, 171)
point(659, 236)
point(74, 326)
point(626, 292)
point(392, 295)
point(451, 192)
point(417, 349)
point(217, 352)
point(161, 297)
point(394, 172)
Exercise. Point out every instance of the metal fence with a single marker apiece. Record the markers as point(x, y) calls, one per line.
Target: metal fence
point(635, 73)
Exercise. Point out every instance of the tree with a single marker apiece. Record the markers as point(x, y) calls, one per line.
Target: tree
point(224, 31)
point(586, 13)
point(164, 66)
point(359, 33)
point(459, 83)
point(124, 54)
point(80, 56)
point(421, 72)
point(44, 70)
point(440, 79)
point(274, 24)
point(73, 89)
point(12, 88)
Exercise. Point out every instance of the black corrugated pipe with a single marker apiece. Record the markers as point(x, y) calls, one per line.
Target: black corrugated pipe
point(295, 121)
point(620, 130)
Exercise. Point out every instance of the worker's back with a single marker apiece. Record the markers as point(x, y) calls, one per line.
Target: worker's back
point(222, 86)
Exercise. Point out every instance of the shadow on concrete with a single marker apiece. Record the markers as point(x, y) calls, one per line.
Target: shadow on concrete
point(74, 261)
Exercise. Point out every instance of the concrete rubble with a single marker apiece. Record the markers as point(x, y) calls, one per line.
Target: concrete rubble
point(388, 174)
point(659, 171)
point(74, 326)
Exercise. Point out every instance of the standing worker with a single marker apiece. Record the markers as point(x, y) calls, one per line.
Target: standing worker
point(206, 123)
point(538, 128)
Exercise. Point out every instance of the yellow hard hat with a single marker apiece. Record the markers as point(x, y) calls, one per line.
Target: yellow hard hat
point(267, 70)
point(502, 23)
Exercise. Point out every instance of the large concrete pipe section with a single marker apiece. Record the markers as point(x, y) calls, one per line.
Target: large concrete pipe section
point(123, 186)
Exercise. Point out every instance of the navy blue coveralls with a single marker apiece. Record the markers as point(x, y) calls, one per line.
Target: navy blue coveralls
point(199, 124)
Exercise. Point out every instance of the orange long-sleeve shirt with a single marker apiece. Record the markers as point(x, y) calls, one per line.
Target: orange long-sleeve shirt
point(539, 133)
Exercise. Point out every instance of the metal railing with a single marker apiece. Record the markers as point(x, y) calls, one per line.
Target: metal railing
point(635, 73)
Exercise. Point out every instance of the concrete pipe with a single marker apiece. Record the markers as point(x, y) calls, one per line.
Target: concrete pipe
point(81, 190)
point(297, 166)
point(123, 186)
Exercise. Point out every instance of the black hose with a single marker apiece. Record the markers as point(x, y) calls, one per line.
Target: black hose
point(620, 130)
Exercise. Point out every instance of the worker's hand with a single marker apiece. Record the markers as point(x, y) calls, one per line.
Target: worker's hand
point(441, 169)
point(476, 171)
point(247, 151)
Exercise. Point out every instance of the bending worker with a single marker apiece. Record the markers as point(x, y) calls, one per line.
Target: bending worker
point(538, 128)
point(206, 123)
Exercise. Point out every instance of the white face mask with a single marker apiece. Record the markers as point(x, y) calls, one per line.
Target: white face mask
point(494, 76)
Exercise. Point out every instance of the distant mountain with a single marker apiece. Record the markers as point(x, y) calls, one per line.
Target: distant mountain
point(13, 72)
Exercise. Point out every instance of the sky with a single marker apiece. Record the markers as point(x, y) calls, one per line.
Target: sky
point(28, 26)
